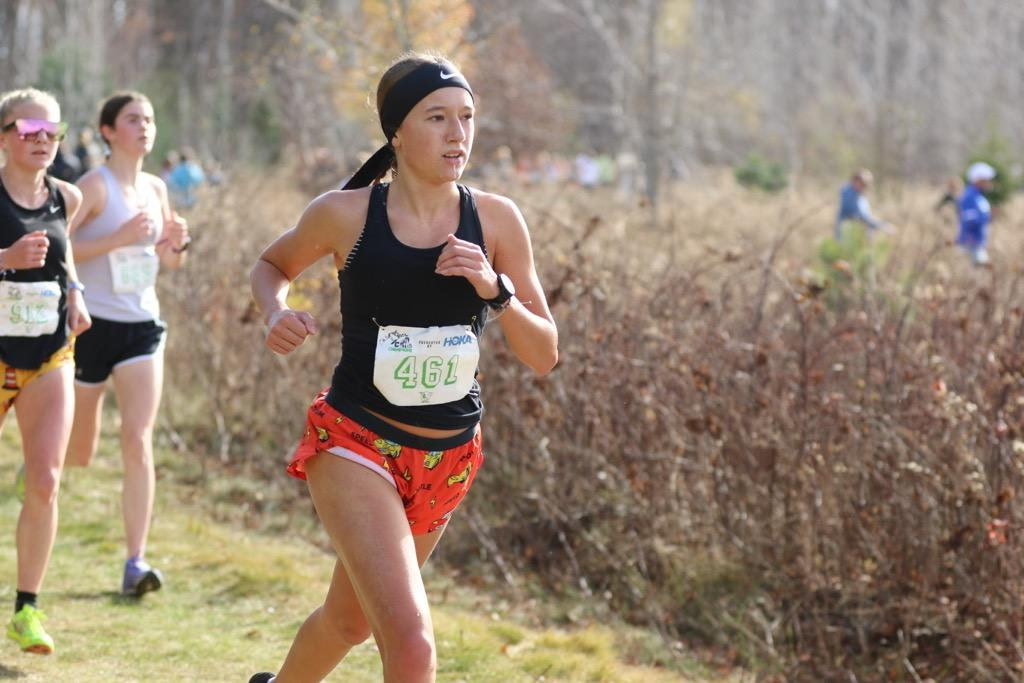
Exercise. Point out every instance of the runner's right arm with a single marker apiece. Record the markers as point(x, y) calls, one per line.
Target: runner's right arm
point(326, 227)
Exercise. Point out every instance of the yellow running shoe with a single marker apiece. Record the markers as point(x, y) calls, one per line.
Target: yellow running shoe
point(26, 629)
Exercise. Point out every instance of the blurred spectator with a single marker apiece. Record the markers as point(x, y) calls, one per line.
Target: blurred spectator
point(629, 168)
point(185, 179)
point(65, 166)
point(950, 194)
point(167, 165)
point(854, 206)
point(976, 212)
point(588, 173)
point(504, 164)
point(88, 151)
point(215, 172)
point(605, 169)
point(543, 170)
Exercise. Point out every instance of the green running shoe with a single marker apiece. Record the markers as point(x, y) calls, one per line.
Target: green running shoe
point(26, 629)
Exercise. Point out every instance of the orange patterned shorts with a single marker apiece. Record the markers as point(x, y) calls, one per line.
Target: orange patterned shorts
point(13, 380)
point(430, 479)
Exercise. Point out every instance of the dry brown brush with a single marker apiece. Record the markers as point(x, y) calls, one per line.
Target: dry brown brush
point(823, 487)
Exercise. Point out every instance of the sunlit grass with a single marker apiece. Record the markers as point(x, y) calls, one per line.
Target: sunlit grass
point(234, 599)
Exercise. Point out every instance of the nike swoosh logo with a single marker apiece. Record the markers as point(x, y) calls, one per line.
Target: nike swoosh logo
point(53, 209)
point(447, 76)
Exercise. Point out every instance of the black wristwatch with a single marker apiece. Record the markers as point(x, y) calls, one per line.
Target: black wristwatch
point(506, 290)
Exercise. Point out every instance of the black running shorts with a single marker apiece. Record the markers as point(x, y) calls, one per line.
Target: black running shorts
point(108, 344)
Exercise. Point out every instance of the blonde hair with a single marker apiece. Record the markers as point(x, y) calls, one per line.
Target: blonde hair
point(10, 100)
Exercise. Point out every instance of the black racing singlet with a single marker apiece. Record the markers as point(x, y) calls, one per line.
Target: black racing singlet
point(29, 353)
point(386, 282)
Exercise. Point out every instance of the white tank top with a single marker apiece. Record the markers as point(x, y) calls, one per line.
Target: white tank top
point(119, 284)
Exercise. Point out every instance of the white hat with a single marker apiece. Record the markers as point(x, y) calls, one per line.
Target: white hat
point(980, 171)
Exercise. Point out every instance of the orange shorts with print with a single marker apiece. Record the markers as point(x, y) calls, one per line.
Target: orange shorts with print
point(431, 475)
point(15, 379)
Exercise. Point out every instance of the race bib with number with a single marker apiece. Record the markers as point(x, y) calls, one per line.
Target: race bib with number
point(29, 309)
point(419, 366)
point(133, 269)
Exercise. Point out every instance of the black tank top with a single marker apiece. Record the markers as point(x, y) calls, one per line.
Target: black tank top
point(29, 353)
point(386, 282)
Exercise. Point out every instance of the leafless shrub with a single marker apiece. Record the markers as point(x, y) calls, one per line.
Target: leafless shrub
point(823, 493)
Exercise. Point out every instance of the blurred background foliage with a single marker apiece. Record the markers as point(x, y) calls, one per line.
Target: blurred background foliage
point(913, 88)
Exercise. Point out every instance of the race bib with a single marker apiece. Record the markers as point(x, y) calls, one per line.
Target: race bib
point(29, 309)
point(133, 269)
point(417, 366)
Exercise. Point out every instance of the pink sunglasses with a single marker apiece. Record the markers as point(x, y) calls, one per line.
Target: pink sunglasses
point(31, 128)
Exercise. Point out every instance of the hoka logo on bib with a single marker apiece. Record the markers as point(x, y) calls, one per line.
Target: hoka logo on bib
point(458, 340)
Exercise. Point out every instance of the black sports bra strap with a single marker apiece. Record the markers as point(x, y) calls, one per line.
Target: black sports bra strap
point(469, 223)
point(377, 211)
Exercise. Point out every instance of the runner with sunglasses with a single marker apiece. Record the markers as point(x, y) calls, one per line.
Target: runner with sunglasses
point(392, 447)
point(124, 233)
point(41, 309)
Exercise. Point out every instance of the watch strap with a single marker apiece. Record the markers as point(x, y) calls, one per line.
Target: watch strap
point(500, 302)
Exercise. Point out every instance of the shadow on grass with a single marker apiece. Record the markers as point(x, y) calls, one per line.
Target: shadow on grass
point(8, 672)
point(113, 597)
point(121, 600)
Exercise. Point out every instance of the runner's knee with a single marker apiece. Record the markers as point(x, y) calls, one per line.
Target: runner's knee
point(136, 442)
point(409, 654)
point(347, 627)
point(351, 633)
point(42, 484)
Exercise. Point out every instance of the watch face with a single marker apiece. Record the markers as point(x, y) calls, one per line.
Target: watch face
point(506, 284)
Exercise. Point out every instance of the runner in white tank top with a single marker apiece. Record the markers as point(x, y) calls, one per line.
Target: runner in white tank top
point(124, 233)
point(121, 284)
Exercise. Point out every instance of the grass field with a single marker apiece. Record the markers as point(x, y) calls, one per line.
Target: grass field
point(234, 599)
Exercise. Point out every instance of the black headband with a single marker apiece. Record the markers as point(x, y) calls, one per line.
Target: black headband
point(403, 96)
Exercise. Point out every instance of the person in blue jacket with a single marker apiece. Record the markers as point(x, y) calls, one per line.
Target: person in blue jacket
point(975, 212)
point(854, 206)
point(185, 178)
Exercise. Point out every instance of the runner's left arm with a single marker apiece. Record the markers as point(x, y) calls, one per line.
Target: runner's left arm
point(527, 323)
point(78, 316)
point(175, 241)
